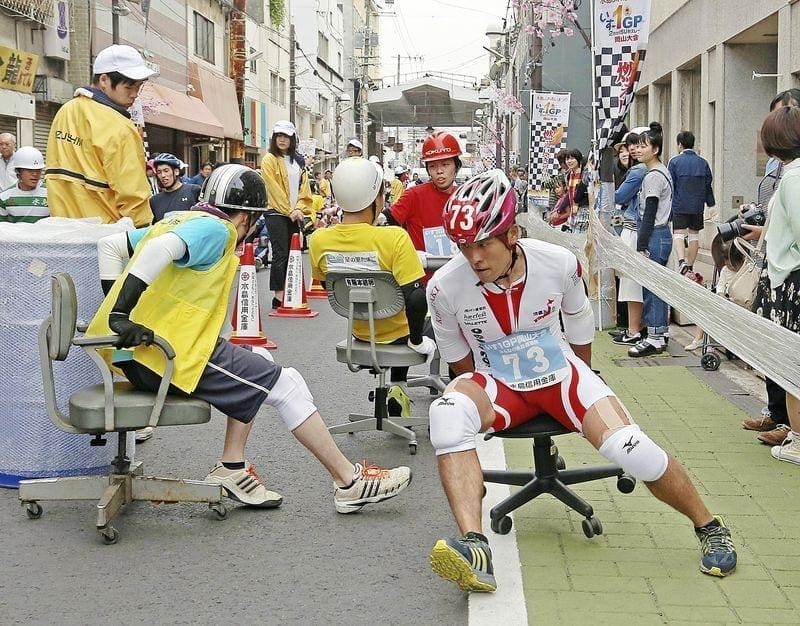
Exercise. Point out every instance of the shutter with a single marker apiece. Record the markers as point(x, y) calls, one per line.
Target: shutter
point(45, 111)
point(8, 124)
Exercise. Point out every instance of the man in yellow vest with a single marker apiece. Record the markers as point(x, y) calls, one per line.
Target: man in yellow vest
point(176, 284)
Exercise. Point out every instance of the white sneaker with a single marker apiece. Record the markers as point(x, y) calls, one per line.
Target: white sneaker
point(694, 345)
point(788, 451)
point(245, 486)
point(143, 434)
point(371, 484)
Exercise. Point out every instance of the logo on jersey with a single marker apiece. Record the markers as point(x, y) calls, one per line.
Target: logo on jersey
point(476, 316)
point(576, 276)
point(538, 316)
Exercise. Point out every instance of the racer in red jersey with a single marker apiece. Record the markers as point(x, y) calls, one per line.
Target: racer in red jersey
point(497, 311)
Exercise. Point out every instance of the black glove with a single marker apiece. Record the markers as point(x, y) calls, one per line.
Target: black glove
point(130, 333)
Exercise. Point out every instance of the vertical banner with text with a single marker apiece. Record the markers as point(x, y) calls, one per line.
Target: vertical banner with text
point(549, 122)
point(621, 29)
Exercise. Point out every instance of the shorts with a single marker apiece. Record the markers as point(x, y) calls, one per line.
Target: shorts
point(629, 291)
point(235, 381)
point(687, 221)
point(567, 401)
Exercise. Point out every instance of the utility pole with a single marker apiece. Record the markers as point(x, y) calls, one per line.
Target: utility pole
point(292, 73)
point(365, 75)
point(116, 8)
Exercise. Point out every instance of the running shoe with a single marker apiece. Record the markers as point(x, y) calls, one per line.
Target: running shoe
point(718, 556)
point(398, 402)
point(626, 339)
point(466, 561)
point(245, 486)
point(371, 484)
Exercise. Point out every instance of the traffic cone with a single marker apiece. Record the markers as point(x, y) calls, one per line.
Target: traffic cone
point(246, 319)
point(294, 302)
point(316, 290)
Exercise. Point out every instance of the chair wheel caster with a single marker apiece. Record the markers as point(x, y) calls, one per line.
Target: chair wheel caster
point(220, 509)
point(502, 525)
point(109, 534)
point(371, 396)
point(33, 510)
point(412, 448)
point(626, 484)
point(484, 492)
point(591, 527)
point(561, 464)
point(710, 362)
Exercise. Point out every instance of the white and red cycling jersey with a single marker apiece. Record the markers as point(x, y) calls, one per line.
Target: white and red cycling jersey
point(515, 335)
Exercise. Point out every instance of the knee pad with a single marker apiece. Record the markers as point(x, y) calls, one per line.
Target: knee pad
point(635, 453)
point(263, 352)
point(693, 237)
point(291, 398)
point(678, 237)
point(454, 422)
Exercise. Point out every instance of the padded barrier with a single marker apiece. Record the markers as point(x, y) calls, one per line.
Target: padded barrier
point(30, 445)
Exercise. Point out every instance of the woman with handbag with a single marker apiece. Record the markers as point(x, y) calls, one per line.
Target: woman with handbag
point(780, 136)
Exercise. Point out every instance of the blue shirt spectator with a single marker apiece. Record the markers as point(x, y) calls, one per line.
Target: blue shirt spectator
point(692, 178)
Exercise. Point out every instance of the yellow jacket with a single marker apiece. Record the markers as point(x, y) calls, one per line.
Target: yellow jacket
point(325, 188)
point(397, 190)
point(273, 171)
point(96, 164)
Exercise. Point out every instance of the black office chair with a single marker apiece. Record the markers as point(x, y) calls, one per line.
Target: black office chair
point(548, 476)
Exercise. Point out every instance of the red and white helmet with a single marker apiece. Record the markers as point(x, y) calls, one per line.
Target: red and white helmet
point(440, 145)
point(485, 206)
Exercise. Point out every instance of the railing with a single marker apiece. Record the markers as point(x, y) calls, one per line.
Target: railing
point(47, 12)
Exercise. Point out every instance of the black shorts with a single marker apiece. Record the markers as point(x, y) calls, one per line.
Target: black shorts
point(690, 221)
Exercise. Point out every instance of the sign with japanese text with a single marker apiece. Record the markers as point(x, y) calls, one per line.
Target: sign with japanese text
point(17, 69)
point(56, 37)
point(549, 122)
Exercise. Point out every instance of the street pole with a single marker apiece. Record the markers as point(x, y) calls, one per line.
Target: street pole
point(115, 9)
point(292, 73)
point(365, 76)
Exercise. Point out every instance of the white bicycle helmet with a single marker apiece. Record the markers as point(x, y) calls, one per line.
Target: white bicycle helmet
point(357, 182)
point(483, 207)
point(28, 158)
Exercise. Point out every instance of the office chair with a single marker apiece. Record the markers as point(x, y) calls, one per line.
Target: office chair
point(548, 476)
point(372, 295)
point(110, 407)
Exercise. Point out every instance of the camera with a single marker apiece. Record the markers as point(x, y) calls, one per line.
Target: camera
point(753, 215)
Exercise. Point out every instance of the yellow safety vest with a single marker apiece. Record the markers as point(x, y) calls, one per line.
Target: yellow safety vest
point(185, 306)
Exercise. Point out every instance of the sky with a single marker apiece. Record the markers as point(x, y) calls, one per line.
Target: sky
point(437, 35)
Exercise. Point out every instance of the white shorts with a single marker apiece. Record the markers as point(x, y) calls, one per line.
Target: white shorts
point(629, 291)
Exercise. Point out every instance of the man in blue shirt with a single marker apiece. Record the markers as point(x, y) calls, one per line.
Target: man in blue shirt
point(691, 176)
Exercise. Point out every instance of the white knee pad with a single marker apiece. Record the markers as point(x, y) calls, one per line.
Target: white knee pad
point(679, 237)
point(263, 352)
point(693, 237)
point(291, 398)
point(635, 453)
point(454, 422)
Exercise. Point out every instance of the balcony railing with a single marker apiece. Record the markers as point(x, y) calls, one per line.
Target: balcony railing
point(52, 13)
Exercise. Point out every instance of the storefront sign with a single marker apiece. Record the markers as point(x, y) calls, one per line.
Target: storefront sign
point(17, 69)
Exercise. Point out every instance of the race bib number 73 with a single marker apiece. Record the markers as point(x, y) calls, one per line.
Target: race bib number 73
point(527, 360)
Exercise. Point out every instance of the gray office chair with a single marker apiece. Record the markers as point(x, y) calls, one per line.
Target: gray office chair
point(372, 295)
point(110, 407)
point(548, 476)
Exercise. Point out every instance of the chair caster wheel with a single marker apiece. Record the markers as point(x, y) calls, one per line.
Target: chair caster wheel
point(109, 534)
point(412, 448)
point(484, 492)
point(33, 510)
point(371, 396)
point(503, 525)
point(591, 527)
point(220, 509)
point(626, 484)
point(710, 362)
point(561, 464)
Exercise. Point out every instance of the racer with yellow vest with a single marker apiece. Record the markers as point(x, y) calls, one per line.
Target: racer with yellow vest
point(358, 244)
point(95, 155)
point(174, 279)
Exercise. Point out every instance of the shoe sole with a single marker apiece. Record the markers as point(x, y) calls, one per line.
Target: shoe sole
point(345, 508)
point(796, 461)
point(267, 504)
point(450, 565)
point(764, 429)
point(715, 571)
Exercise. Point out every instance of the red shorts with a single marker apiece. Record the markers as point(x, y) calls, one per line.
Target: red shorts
point(566, 401)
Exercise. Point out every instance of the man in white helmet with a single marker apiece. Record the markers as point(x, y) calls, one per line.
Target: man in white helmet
point(357, 243)
point(26, 201)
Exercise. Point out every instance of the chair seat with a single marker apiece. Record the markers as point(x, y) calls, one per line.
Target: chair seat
point(542, 424)
point(133, 408)
point(389, 355)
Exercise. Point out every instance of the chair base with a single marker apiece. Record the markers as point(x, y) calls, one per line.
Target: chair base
point(400, 426)
point(433, 380)
point(125, 484)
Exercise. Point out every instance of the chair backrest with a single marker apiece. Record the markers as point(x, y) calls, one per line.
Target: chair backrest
point(364, 291)
point(63, 316)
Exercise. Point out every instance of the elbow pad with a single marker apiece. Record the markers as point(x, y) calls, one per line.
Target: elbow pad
point(156, 255)
point(416, 309)
point(579, 326)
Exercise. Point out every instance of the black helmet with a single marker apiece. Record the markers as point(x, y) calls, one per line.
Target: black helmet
point(234, 187)
point(168, 159)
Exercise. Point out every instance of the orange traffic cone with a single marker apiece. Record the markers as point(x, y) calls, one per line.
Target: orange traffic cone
point(294, 303)
point(316, 290)
point(246, 319)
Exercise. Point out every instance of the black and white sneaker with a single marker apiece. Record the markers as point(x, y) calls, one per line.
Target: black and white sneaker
point(626, 339)
point(371, 484)
point(645, 348)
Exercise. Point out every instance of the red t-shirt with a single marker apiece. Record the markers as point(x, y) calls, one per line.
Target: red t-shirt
point(420, 207)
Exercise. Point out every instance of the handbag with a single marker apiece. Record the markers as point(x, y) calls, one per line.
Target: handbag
point(560, 212)
point(743, 284)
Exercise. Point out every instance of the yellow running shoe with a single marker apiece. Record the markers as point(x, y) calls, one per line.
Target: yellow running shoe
point(398, 402)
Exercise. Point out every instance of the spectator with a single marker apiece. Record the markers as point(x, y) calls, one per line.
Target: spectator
point(354, 148)
point(415, 178)
point(622, 163)
point(653, 237)
point(521, 189)
point(289, 195)
point(8, 144)
point(177, 285)
point(398, 185)
point(95, 154)
point(205, 172)
point(174, 195)
point(26, 200)
point(577, 191)
point(389, 249)
point(691, 179)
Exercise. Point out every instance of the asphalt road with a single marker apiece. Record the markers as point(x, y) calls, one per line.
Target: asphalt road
point(301, 563)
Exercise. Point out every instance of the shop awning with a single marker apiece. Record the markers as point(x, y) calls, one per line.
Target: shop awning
point(219, 94)
point(166, 107)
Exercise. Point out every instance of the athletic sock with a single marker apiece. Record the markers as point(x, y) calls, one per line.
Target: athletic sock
point(714, 523)
point(233, 466)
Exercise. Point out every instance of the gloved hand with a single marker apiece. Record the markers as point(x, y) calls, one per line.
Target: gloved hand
point(423, 258)
point(130, 333)
point(427, 347)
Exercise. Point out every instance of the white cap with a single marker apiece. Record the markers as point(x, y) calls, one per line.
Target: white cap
point(356, 144)
point(285, 127)
point(123, 59)
point(357, 182)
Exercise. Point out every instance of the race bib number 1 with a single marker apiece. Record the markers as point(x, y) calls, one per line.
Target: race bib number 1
point(437, 243)
point(527, 360)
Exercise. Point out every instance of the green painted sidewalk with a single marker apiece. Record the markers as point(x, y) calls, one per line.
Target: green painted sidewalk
point(644, 568)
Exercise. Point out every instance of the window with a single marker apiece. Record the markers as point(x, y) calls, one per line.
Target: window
point(274, 89)
point(282, 92)
point(322, 47)
point(323, 105)
point(203, 37)
point(253, 61)
point(339, 62)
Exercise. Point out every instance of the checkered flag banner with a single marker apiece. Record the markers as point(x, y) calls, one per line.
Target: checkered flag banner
point(549, 122)
point(616, 76)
